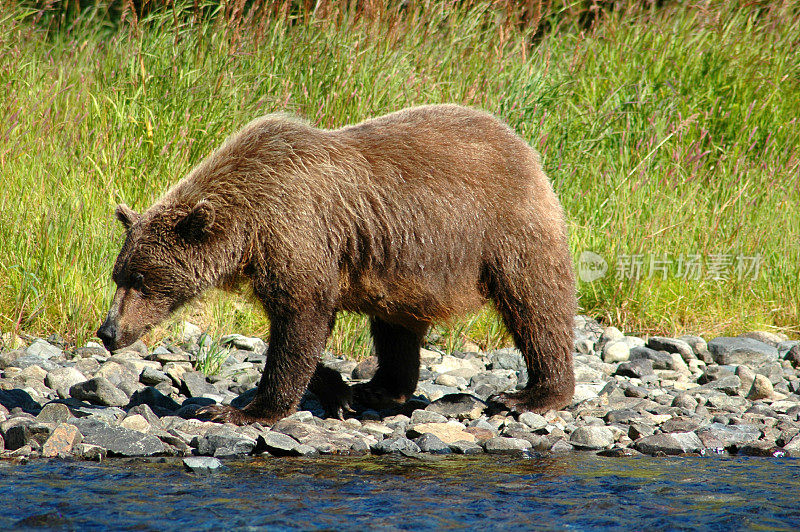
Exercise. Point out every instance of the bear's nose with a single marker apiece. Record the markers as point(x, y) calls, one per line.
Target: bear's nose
point(108, 334)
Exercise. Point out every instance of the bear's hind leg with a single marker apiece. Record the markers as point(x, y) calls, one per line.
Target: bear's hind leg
point(539, 313)
point(397, 348)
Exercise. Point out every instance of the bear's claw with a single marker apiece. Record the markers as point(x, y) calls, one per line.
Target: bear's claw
point(526, 400)
point(229, 414)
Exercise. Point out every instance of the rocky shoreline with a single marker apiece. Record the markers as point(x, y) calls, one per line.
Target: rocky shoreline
point(654, 396)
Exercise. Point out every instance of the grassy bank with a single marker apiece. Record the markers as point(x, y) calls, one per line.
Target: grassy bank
point(671, 134)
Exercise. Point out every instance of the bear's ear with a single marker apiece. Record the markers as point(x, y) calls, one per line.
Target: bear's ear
point(126, 216)
point(196, 225)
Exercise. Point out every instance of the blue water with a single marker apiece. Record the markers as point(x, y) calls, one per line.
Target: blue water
point(572, 491)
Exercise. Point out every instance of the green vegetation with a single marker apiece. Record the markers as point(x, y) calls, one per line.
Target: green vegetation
point(668, 132)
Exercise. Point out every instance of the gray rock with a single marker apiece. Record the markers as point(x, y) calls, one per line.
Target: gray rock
point(532, 420)
point(147, 413)
point(466, 447)
point(635, 368)
point(447, 379)
point(296, 429)
point(26, 361)
point(583, 344)
point(671, 444)
point(17, 398)
point(538, 443)
point(166, 357)
point(619, 452)
point(118, 440)
point(773, 371)
point(728, 385)
point(766, 337)
point(99, 391)
point(88, 451)
point(42, 349)
point(190, 332)
point(561, 446)
point(588, 326)
point(592, 437)
point(508, 358)
point(680, 424)
point(89, 351)
point(660, 359)
point(137, 348)
point(761, 448)
point(54, 413)
point(731, 434)
point(332, 442)
point(746, 375)
point(447, 432)
point(616, 351)
point(117, 373)
point(278, 444)
point(640, 430)
point(458, 406)
point(62, 379)
point(761, 389)
point(157, 401)
point(586, 373)
point(713, 373)
point(395, 444)
point(429, 443)
point(425, 416)
point(196, 385)
point(792, 447)
point(722, 401)
point(365, 369)
point(736, 350)
point(32, 434)
point(243, 342)
point(492, 382)
point(345, 367)
point(610, 334)
point(623, 415)
point(672, 345)
point(793, 356)
point(503, 445)
point(225, 444)
point(152, 377)
point(636, 391)
point(433, 391)
point(699, 347)
point(8, 359)
point(201, 464)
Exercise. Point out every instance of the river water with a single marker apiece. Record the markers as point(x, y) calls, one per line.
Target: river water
point(572, 491)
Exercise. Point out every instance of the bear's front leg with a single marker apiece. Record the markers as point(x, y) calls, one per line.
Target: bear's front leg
point(295, 345)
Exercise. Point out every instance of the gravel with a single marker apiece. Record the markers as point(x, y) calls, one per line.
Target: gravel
point(656, 395)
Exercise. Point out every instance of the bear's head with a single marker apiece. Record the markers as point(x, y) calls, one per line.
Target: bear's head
point(159, 268)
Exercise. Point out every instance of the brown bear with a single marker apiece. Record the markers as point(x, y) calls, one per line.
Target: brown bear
point(410, 217)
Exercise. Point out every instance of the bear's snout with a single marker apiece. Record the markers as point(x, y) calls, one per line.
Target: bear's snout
point(108, 334)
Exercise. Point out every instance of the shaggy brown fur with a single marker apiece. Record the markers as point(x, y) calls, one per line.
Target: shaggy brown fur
point(411, 217)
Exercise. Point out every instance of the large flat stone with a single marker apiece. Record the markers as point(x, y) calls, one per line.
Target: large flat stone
point(118, 440)
point(99, 391)
point(673, 443)
point(446, 432)
point(736, 350)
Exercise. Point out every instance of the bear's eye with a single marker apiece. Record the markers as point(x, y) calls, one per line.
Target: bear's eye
point(137, 281)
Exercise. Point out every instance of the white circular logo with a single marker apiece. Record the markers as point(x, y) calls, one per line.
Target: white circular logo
point(591, 266)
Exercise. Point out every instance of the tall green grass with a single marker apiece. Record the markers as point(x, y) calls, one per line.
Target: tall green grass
point(667, 132)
